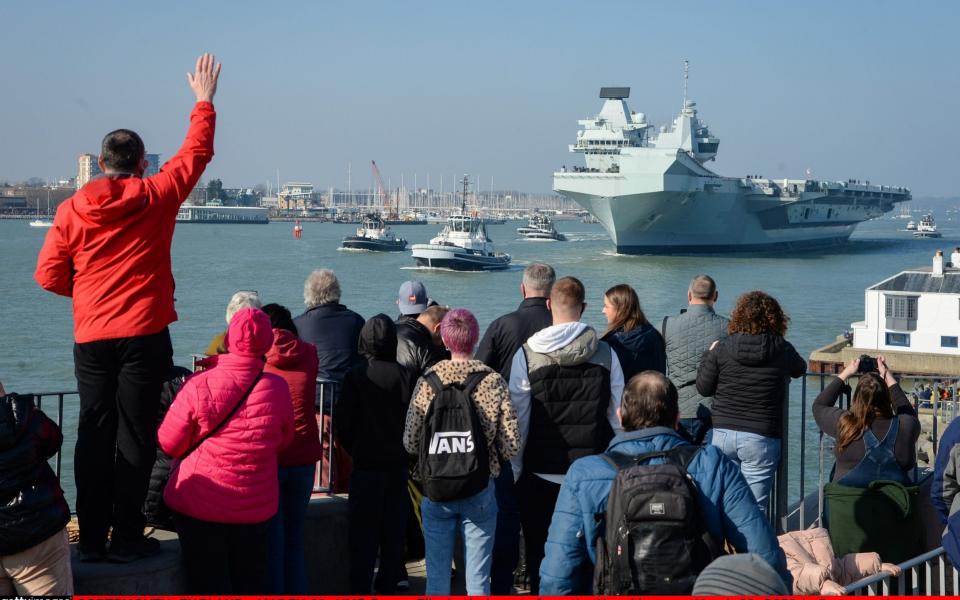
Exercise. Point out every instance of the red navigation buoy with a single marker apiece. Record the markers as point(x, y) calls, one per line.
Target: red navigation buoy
point(297, 230)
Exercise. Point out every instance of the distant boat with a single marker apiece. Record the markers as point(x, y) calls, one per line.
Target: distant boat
point(927, 228)
point(911, 226)
point(42, 222)
point(541, 228)
point(463, 245)
point(374, 235)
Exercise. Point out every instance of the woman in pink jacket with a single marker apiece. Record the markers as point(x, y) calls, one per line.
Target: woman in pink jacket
point(223, 485)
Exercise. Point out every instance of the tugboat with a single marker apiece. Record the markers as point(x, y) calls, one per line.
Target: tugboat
point(927, 228)
point(374, 235)
point(463, 245)
point(541, 228)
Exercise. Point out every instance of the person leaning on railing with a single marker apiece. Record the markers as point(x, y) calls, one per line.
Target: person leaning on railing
point(877, 437)
point(945, 491)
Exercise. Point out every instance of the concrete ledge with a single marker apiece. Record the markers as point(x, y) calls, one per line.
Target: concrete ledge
point(325, 538)
point(158, 575)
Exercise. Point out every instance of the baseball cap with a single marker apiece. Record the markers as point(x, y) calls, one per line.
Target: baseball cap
point(412, 298)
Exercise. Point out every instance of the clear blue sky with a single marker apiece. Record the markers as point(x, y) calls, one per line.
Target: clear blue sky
point(864, 90)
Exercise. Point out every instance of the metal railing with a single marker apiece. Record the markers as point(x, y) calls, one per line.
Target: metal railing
point(929, 574)
point(45, 407)
point(327, 392)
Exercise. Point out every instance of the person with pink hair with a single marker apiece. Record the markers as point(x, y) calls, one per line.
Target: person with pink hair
point(476, 514)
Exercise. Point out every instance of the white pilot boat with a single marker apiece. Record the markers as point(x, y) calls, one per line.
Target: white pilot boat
point(541, 228)
point(374, 235)
point(462, 245)
point(927, 228)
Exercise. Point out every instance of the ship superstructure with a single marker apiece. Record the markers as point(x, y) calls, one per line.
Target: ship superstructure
point(651, 190)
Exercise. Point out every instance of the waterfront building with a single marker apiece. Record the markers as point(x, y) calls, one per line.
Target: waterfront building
point(88, 169)
point(912, 318)
point(295, 196)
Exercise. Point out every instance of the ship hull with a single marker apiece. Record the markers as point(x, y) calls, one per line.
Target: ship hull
point(358, 243)
point(456, 259)
point(726, 221)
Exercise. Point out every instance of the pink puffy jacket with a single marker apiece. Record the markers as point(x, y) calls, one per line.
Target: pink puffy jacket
point(232, 476)
point(816, 570)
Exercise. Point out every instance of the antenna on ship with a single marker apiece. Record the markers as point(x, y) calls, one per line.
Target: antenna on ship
point(463, 200)
point(686, 76)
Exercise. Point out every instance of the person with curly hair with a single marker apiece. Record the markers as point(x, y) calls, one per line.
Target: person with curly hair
point(748, 373)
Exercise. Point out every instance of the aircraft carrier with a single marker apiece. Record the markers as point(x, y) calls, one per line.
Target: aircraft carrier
point(651, 190)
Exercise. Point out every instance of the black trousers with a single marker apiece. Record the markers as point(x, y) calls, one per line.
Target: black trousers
point(119, 382)
point(378, 508)
point(224, 558)
point(536, 499)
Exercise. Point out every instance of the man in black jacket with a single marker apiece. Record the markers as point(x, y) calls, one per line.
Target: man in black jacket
point(371, 413)
point(418, 329)
point(330, 326)
point(33, 512)
point(506, 334)
point(503, 338)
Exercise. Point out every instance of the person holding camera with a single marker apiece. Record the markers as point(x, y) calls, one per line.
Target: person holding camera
point(876, 439)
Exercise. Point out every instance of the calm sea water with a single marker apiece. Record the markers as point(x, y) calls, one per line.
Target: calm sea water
point(822, 291)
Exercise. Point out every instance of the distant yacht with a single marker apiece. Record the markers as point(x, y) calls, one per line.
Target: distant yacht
point(374, 235)
point(462, 245)
point(927, 228)
point(45, 221)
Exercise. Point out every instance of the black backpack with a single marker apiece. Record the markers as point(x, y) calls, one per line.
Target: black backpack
point(454, 459)
point(655, 540)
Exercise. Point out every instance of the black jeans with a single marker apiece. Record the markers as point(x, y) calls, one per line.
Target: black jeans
point(378, 507)
point(119, 382)
point(536, 498)
point(506, 544)
point(224, 558)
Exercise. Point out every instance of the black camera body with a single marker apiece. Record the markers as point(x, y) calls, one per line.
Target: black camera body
point(868, 364)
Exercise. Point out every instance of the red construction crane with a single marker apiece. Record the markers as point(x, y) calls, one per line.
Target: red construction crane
point(392, 214)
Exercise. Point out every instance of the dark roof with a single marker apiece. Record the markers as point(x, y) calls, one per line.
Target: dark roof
point(922, 281)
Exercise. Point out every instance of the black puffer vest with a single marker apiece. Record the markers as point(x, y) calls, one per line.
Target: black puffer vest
point(32, 507)
point(569, 397)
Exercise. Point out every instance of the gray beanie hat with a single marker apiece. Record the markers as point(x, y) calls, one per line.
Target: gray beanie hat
point(739, 575)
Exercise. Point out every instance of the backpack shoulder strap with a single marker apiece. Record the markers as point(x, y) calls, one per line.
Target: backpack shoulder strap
point(433, 380)
point(473, 380)
point(682, 455)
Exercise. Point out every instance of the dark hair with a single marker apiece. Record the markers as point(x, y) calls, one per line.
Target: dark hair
point(629, 315)
point(122, 150)
point(871, 399)
point(280, 317)
point(757, 312)
point(649, 400)
point(568, 292)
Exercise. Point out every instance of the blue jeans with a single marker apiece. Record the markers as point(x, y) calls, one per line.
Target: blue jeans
point(506, 545)
point(288, 568)
point(758, 457)
point(477, 515)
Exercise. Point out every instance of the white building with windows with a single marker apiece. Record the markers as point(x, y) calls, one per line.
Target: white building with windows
point(916, 311)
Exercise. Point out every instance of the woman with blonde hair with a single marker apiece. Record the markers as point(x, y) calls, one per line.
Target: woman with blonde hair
point(748, 373)
point(877, 437)
point(639, 346)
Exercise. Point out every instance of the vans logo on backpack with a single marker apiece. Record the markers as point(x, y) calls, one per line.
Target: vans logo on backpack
point(451, 442)
point(657, 508)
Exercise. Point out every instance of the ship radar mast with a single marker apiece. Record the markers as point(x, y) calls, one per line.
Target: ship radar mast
point(686, 77)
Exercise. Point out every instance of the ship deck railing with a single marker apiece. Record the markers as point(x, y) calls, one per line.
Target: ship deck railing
point(797, 499)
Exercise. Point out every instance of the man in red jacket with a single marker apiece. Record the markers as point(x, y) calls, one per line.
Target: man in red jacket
point(109, 249)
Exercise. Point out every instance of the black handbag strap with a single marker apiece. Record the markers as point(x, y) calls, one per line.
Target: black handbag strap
point(223, 421)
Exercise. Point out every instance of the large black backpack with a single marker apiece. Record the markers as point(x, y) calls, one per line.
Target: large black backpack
point(654, 540)
point(454, 459)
